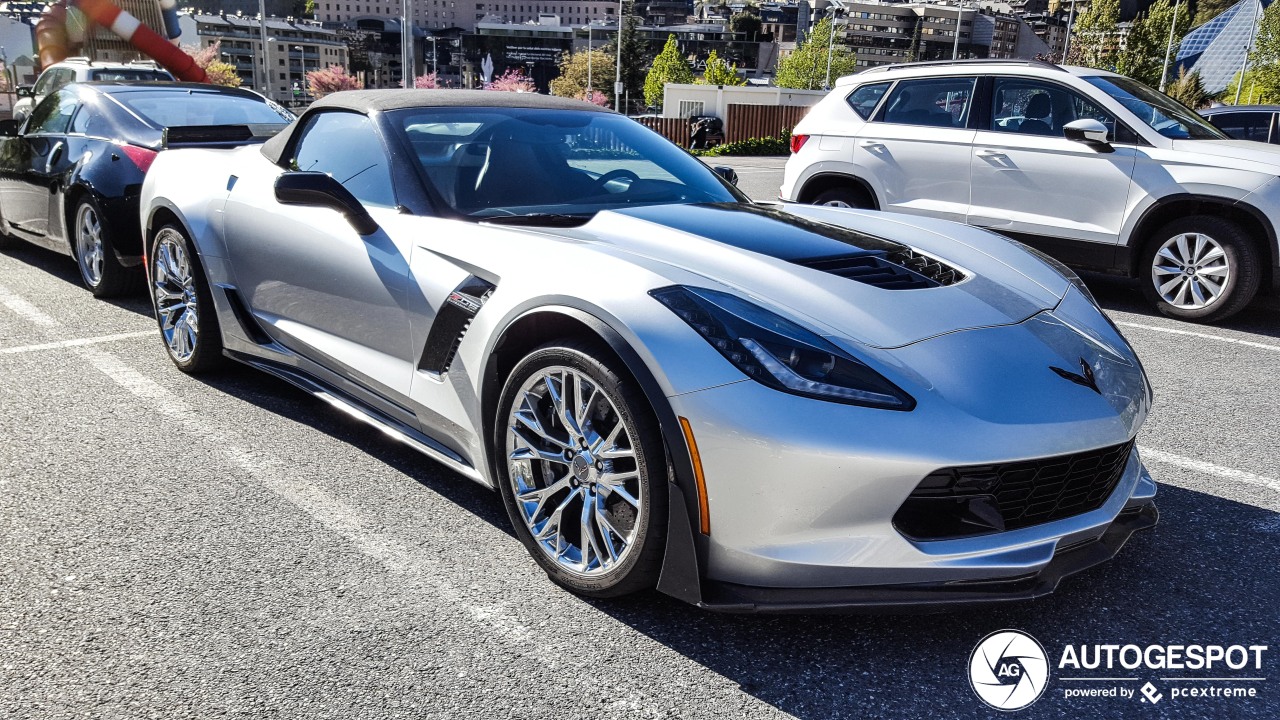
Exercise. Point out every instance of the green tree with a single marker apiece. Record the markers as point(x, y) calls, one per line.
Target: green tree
point(746, 22)
point(806, 66)
point(1188, 89)
point(720, 72)
point(635, 55)
point(1207, 10)
point(1144, 53)
point(669, 67)
point(913, 53)
point(1261, 81)
point(1095, 37)
point(576, 67)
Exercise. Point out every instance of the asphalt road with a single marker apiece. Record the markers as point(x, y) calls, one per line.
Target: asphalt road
point(173, 547)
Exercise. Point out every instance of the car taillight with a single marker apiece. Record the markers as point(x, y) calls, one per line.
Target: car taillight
point(797, 142)
point(142, 157)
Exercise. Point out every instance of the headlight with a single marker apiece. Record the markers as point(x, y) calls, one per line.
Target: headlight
point(779, 353)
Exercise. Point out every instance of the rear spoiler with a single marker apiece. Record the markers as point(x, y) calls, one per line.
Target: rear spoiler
point(216, 135)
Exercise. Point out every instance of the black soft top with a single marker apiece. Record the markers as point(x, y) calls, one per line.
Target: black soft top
point(366, 101)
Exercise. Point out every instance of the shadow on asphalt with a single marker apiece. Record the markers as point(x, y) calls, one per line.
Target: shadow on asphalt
point(64, 268)
point(281, 398)
point(1206, 574)
point(1261, 317)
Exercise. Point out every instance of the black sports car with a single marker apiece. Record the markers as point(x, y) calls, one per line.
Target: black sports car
point(70, 175)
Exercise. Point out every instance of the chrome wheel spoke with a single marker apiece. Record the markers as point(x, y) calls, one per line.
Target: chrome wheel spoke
point(569, 453)
point(174, 296)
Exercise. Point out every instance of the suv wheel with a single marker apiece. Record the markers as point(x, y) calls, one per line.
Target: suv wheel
point(1200, 268)
point(844, 196)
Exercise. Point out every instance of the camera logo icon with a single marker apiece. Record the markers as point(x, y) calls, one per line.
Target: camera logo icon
point(1009, 670)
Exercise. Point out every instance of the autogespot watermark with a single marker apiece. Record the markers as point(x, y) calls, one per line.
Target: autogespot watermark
point(1009, 670)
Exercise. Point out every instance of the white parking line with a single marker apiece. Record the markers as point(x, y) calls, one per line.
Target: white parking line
point(75, 343)
point(367, 534)
point(1209, 468)
point(1206, 336)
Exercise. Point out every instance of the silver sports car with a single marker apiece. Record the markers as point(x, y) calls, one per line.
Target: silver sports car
point(748, 407)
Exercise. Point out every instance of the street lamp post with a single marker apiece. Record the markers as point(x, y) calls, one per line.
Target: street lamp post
point(955, 50)
point(1071, 20)
point(617, 80)
point(588, 60)
point(1168, 48)
point(267, 85)
point(831, 44)
point(1248, 47)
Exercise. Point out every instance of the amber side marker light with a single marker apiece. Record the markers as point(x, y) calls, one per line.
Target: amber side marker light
point(704, 512)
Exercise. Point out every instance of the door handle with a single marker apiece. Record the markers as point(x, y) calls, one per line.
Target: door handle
point(991, 154)
point(871, 145)
point(54, 155)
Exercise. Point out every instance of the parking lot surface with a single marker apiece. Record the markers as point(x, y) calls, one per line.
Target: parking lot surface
point(174, 547)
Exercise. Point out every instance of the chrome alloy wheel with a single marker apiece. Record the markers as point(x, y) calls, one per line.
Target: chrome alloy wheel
point(837, 203)
point(1190, 271)
point(573, 471)
point(89, 245)
point(174, 288)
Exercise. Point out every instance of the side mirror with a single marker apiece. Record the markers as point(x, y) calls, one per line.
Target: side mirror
point(25, 91)
point(1088, 131)
point(317, 189)
point(726, 173)
point(10, 128)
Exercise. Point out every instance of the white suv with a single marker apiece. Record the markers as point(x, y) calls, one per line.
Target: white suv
point(81, 69)
point(1094, 168)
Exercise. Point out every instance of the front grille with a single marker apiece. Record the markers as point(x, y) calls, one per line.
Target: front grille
point(979, 499)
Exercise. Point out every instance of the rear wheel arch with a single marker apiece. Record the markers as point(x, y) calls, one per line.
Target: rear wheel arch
point(536, 327)
point(1176, 207)
point(818, 184)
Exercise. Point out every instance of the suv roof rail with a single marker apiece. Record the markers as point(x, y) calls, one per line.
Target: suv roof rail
point(972, 61)
point(79, 59)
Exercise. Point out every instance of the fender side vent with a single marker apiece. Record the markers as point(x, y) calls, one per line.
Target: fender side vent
point(245, 318)
point(452, 323)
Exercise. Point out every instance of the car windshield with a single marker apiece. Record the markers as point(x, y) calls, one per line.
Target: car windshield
point(546, 166)
point(1159, 111)
point(178, 107)
point(129, 75)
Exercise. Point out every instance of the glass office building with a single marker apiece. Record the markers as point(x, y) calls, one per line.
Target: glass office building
point(1216, 49)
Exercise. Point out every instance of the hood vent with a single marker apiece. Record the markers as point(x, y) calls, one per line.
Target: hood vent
point(902, 269)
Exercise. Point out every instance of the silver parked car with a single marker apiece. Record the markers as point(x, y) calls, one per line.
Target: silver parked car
point(748, 407)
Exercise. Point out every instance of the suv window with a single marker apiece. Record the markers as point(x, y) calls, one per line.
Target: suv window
point(864, 99)
point(1032, 107)
point(53, 114)
point(937, 102)
point(1244, 125)
point(346, 146)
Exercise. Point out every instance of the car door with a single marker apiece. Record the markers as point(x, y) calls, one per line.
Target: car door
point(918, 147)
point(315, 284)
point(42, 150)
point(1031, 182)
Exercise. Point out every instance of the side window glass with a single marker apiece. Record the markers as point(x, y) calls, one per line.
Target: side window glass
point(937, 102)
point(62, 78)
point(1029, 107)
point(1244, 126)
point(345, 145)
point(45, 83)
point(83, 121)
point(53, 114)
point(865, 98)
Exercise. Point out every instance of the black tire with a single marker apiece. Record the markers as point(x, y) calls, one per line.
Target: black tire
point(844, 196)
point(636, 568)
point(167, 267)
point(1239, 253)
point(100, 271)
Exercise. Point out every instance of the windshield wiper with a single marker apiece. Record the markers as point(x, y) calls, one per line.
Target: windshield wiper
point(557, 219)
